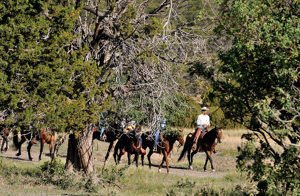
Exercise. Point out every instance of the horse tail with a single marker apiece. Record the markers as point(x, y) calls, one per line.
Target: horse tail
point(183, 152)
point(16, 140)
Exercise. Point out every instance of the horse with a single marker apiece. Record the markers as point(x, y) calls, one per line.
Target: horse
point(205, 143)
point(4, 132)
point(129, 142)
point(44, 136)
point(111, 133)
point(148, 141)
point(165, 147)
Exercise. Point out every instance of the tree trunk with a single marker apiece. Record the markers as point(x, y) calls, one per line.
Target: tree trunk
point(80, 152)
point(57, 145)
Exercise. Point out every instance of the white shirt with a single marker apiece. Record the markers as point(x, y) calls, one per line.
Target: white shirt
point(203, 119)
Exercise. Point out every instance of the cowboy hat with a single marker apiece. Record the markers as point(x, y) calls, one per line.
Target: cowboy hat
point(204, 109)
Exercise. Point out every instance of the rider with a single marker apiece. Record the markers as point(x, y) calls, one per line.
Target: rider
point(157, 133)
point(203, 121)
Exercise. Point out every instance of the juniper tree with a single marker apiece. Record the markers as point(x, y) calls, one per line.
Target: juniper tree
point(43, 85)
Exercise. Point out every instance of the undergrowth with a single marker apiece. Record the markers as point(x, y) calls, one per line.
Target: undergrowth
point(115, 180)
point(55, 174)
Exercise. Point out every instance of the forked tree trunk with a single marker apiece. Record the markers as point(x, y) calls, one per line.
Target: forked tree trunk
point(57, 145)
point(80, 152)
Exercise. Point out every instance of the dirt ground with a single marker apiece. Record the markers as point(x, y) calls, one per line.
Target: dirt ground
point(222, 165)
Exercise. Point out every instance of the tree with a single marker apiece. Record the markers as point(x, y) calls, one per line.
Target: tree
point(258, 86)
point(63, 63)
point(42, 85)
point(141, 47)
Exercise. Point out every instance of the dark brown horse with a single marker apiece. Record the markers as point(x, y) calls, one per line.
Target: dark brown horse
point(4, 132)
point(206, 144)
point(129, 142)
point(165, 147)
point(148, 141)
point(44, 136)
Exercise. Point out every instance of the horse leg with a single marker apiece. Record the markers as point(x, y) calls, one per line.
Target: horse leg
point(41, 149)
point(159, 168)
point(2, 145)
point(137, 159)
point(129, 155)
point(28, 150)
point(205, 162)
point(115, 154)
point(191, 159)
point(51, 145)
point(167, 162)
point(142, 158)
point(6, 141)
point(210, 160)
point(23, 139)
point(149, 155)
point(119, 157)
point(108, 150)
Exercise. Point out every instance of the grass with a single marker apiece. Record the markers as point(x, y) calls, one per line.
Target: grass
point(26, 178)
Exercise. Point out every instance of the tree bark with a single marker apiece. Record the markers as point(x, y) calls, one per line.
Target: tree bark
point(80, 152)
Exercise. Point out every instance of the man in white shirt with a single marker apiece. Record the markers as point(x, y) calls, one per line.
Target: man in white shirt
point(203, 121)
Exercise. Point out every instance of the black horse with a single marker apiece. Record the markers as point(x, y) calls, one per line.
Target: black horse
point(148, 139)
point(111, 133)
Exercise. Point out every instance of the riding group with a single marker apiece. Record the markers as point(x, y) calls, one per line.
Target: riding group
point(135, 140)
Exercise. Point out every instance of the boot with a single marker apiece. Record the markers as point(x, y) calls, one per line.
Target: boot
point(194, 147)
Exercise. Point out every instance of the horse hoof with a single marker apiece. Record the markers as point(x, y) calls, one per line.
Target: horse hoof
point(191, 168)
point(159, 171)
point(18, 154)
point(205, 170)
point(213, 170)
point(168, 172)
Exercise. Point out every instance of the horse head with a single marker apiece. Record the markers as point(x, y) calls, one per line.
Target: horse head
point(180, 138)
point(219, 134)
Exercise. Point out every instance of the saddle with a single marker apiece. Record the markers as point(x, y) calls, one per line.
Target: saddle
point(192, 135)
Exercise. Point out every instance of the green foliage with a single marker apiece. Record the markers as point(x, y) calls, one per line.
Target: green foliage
point(114, 173)
point(125, 23)
point(153, 27)
point(259, 85)
point(273, 176)
point(186, 184)
point(56, 167)
point(40, 82)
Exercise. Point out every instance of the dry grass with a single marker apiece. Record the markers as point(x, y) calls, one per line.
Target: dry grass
point(141, 181)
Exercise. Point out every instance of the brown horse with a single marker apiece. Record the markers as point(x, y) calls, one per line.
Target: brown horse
point(166, 146)
point(4, 132)
point(44, 136)
point(206, 144)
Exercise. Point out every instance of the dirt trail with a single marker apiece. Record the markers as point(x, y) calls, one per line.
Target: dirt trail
point(178, 169)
